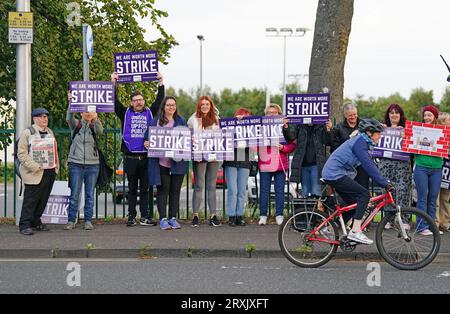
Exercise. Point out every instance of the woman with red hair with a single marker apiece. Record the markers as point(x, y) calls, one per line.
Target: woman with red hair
point(205, 172)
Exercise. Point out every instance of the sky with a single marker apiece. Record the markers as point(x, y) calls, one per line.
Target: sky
point(394, 45)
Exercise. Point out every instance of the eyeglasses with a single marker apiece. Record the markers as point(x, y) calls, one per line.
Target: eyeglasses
point(171, 105)
point(136, 100)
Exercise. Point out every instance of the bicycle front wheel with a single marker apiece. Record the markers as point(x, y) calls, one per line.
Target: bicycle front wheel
point(416, 250)
point(301, 246)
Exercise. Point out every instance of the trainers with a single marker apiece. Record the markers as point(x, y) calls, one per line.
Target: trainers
point(388, 226)
point(164, 224)
point(213, 221)
point(147, 222)
point(279, 219)
point(41, 227)
point(262, 220)
point(325, 232)
point(359, 237)
point(174, 223)
point(240, 221)
point(70, 225)
point(426, 232)
point(232, 221)
point(131, 222)
point(88, 226)
point(195, 221)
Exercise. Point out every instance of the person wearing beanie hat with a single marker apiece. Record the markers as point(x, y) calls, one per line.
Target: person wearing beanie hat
point(433, 110)
point(427, 176)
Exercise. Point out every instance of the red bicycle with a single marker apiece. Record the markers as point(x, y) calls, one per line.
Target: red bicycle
point(310, 238)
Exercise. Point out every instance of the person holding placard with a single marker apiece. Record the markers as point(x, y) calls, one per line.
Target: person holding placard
point(399, 172)
point(84, 165)
point(273, 162)
point(38, 168)
point(166, 173)
point(135, 120)
point(310, 154)
point(427, 175)
point(205, 172)
point(237, 172)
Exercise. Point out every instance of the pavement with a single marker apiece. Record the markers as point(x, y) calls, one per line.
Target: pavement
point(119, 241)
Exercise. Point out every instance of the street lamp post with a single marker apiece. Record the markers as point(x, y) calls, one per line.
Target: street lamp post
point(201, 39)
point(285, 32)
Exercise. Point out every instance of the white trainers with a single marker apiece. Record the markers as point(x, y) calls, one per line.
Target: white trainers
point(388, 226)
point(426, 232)
point(262, 220)
point(279, 220)
point(359, 237)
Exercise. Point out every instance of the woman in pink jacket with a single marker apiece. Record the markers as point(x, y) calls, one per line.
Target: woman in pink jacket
point(273, 163)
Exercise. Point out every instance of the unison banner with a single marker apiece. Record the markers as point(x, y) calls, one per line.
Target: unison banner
point(307, 108)
point(136, 66)
point(213, 145)
point(173, 143)
point(390, 145)
point(426, 139)
point(91, 97)
point(254, 131)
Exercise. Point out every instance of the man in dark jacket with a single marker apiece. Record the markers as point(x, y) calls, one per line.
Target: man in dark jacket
point(341, 133)
point(310, 154)
point(135, 120)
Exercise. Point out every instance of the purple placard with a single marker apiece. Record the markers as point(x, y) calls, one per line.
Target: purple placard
point(213, 145)
point(254, 131)
point(56, 210)
point(139, 66)
point(390, 145)
point(91, 96)
point(175, 143)
point(445, 181)
point(307, 108)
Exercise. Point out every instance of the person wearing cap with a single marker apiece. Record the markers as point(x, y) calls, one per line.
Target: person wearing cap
point(38, 181)
point(136, 119)
point(427, 175)
point(340, 170)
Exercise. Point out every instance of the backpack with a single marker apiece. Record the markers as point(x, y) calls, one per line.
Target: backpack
point(16, 159)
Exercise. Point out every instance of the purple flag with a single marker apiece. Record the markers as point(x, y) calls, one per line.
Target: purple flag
point(307, 108)
point(172, 143)
point(213, 145)
point(136, 66)
point(91, 96)
point(390, 145)
point(254, 131)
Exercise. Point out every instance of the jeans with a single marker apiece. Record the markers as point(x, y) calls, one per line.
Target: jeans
point(236, 187)
point(77, 175)
point(428, 184)
point(279, 179)
point(310, 181)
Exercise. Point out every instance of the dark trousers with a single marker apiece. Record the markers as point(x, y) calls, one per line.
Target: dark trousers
point(170, 188)
point(35, 199)
point(136, 170)
point(352, 192)
point(362, 177)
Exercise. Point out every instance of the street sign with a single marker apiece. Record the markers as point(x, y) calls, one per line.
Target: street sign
point(20, 27)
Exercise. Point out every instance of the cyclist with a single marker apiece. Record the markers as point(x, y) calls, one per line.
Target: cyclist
point(340, 170)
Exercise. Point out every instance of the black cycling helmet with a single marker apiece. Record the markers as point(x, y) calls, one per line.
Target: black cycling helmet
point(371, 125)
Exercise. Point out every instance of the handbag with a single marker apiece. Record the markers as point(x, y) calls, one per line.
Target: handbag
point(105, 173)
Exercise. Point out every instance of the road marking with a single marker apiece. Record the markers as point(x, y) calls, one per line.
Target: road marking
point(444, 274)
point(239, 283)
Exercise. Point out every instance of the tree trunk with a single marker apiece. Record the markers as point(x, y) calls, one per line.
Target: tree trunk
point(331, 33)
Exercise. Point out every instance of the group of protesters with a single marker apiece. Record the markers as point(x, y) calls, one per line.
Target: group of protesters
point(307, 142)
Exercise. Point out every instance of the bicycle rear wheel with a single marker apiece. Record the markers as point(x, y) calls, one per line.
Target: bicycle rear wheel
point(301, 251)
point(415, 252)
